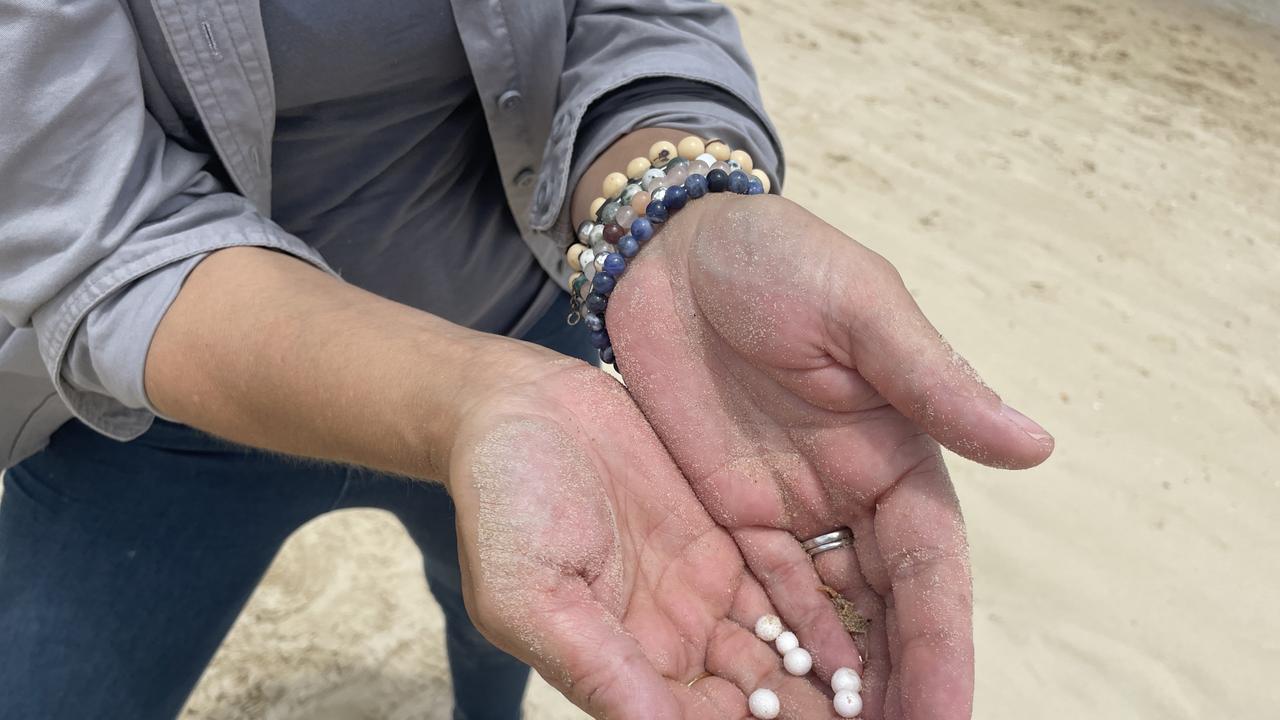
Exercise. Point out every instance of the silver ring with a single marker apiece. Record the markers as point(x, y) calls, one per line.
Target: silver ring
point(827, 537)
point(843, 542)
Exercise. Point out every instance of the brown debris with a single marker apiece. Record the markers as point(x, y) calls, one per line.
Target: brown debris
point(853, 621)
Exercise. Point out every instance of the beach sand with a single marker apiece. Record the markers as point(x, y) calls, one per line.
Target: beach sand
point(1085, 197)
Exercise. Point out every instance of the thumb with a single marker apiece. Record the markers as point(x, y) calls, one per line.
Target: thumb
point(893, 345)
point(584, 652)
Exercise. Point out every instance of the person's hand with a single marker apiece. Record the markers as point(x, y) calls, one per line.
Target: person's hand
point(585, 554)
point(799, 388)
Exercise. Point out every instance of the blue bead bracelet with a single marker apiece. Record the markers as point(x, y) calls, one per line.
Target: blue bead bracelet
point(604, 262)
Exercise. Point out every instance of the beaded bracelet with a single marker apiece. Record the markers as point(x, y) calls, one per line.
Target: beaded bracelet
point(631, 207)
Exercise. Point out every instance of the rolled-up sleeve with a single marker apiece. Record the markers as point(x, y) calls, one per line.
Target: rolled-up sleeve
point(101, 215)
point(661, 63)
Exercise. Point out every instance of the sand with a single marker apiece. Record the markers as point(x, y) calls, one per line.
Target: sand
point(1085, 197)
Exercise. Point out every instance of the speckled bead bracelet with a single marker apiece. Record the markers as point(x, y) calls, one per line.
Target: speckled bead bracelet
point(634, 204)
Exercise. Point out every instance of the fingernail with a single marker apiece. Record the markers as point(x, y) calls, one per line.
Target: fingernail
point(1027, 425)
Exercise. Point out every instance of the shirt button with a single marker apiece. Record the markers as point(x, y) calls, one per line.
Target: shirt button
point(524, 178)
point(510, 100)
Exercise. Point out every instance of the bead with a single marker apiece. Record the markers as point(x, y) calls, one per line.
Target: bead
point(718, 150)
point(615, 264)
point(609, 211)
point(642, 229)
point(597, 235)
point(629, 192)
point(628, 246)
point(598, 263)
point(576, 282)
point(739, 182)
point(584, 231)
point(677, 196)
point(625, 215)
point(691, 147)
point(603, 283)
point(595, 206)
point(720, 165)
point(637, 167)
point(768, 627)
point(754, 187)
point(733, 165)
point(593, 321)
point(572, 254)
point(677, 175)
point(583, 289)
point(696, 185)
point(596, 303)
point(798, 661)
point(606, 356)
point(717, 180)
point(847, 704)
point(652, 179)
point(586, 258)
point(743, 159)
point(613, 232)
point(658, 194)
point(600, 339)
point(613, 184)
point(656, 212)
point(640, 201)
point(846, 679)
point(661, 152)
point(787, 642)
point(675, 163)
point(706, 159)
point(764, 704)
point(763, 177)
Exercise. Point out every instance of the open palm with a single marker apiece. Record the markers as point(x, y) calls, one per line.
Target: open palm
point(586, 554)
point(799, 389)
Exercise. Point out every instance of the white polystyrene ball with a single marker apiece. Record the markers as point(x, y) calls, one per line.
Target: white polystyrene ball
point(797, 661)
point(847, 704)
point(846, 679)
point(787, 642)
point(769, 627)
point(764, 704)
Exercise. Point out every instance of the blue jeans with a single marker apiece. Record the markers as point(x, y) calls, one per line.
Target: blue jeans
point(123, 565)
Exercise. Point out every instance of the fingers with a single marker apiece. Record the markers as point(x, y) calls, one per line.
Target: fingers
point(842, 571)
point(738, 656)
point(876, 327)
point(789, 579)
point(926, 568)
point(583, 651)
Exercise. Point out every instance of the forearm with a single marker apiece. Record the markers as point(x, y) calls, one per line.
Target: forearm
point(265, 350)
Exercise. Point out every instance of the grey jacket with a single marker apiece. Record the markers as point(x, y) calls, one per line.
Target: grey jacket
point(108, 198)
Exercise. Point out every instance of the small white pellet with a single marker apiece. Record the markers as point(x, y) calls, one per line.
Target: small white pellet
point(846, 679)
point(787, 642)
point(768, 627)
point(847, 704)
point(764, 704)
point(798, 661)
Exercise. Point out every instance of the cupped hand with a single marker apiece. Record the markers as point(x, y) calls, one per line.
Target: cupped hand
point(799, 388)
point(585, 553)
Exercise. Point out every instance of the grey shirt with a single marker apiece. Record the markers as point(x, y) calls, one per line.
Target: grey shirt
point(124, 160)
point(383, 163)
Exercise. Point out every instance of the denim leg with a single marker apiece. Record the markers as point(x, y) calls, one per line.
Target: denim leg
point(488, 684)
point(123, 565)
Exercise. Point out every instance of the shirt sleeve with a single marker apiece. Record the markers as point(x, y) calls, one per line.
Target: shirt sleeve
point(660, 63)
point(102, 215)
